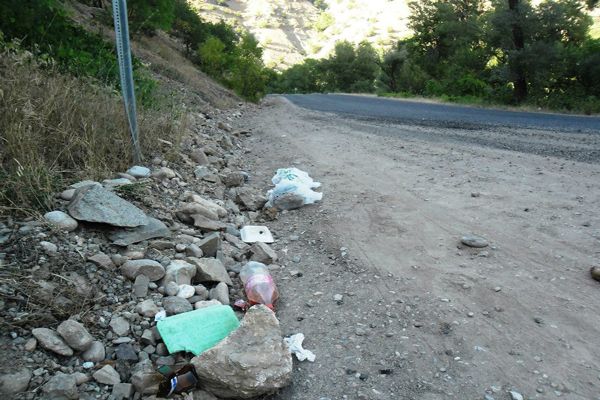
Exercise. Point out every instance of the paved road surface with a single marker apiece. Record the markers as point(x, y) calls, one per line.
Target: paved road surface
point(440, 114)
point(565, 136)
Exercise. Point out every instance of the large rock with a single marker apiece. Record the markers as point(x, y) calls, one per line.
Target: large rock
point(211, 205)
point(145, 379)
point(196, 208)
point(207, 224)
point(154, 229)
point(263, 253)
point(50, 340)
point(176, 305)
point(61, 387)
point(96, 204)
point(220, 293)
point(147, 308)
point(250, 199)
point(210, 245)
point(474, 241)
point(152, 269)
point(288, 201)
point(139, 172)
point(107, 375)
point(75, 334)
point(119, 325)
point(210, 270)
point(95, 353)
point(250, 362)
point(60, 220)
point(16, 382)
point(180, 272)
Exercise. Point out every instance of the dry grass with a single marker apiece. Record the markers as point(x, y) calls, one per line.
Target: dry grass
point(55, 129)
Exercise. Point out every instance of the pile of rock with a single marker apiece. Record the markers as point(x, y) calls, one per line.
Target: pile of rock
point(182, 255)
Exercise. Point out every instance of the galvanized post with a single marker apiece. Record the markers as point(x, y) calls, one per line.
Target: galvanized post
point(126, 72)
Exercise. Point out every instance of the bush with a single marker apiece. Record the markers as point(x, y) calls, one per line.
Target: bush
point(67, 46)
point(146, 16)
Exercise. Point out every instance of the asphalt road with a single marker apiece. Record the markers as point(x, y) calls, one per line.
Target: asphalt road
point(443, 115)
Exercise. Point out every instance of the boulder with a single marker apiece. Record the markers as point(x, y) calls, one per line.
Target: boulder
point(252, 361)
point(288, 201)
point(153, 229)
point(75, 335)
point(147, 308)
point(152, 269)
point(262, 253)
point(234, 179)
point(60, 387)
point(139, 172)
point(61, 220)
point(199, 157)
point(250, 199)
point(196, 208)
point(210, 245)
point(119, 325)
point(207, 224)
point(95, 353)
point(102, 260)
point(16, 382)
point(50, 340)
point(96, 204)
point(180, 272)
point(210, 270)
point(474, 241)
point(211, 205)
point(107, 375)
point(145, 379)
point(220, 293)
point(176, 305)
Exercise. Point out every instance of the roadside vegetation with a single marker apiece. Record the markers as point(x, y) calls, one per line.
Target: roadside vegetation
point(503, 52)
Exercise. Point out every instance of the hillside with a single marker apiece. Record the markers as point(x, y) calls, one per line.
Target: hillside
point(290, 31)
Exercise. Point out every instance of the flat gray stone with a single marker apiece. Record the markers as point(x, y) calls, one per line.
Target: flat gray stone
point(263, 253)
point(207, 224)
point(139, 172)
point(102, 260)
point(119, 325)
point(154, 229)
point(96, 204)
point(107, 375)
point(61, 387)
point(145, 379)
point(50, 340)
point(474, 241)
point(147, 308)
point(176, 305)
point(152, 269)
point(122, 391)
point(210, 270)
point(75, 335)
point(252, 361)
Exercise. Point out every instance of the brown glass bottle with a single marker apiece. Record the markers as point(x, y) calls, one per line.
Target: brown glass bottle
point(178, 382)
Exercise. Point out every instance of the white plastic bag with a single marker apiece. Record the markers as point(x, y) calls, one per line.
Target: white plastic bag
point(294, 343)
point(294, 181)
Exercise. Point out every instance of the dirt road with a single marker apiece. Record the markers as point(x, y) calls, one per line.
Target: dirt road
point(424, 317)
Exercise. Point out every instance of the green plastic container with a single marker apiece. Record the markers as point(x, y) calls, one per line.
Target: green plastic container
point(199, 330)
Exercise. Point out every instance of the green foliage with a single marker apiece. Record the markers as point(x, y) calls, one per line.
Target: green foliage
point(146, 16)
point(350, 68)
point(71, 48)
point(324, 21)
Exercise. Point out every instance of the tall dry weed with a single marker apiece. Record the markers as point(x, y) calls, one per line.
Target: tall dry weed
point(55, 129)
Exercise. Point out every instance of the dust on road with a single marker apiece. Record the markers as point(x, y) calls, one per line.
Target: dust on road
point(423, 316)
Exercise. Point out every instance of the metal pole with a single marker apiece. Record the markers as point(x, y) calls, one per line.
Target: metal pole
point(126, 72)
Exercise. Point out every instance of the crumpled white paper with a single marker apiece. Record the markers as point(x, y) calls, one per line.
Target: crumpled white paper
point(294, 343)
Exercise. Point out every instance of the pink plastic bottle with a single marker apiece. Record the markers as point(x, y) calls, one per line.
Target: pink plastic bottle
point(258, 284)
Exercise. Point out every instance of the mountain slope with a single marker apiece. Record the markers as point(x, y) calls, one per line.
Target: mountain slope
point(290, 31)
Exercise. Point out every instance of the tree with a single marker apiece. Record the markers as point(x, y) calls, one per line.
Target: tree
point(146, 16)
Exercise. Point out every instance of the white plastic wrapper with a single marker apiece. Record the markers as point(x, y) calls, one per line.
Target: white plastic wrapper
point(294, 343)
point(295, 181)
